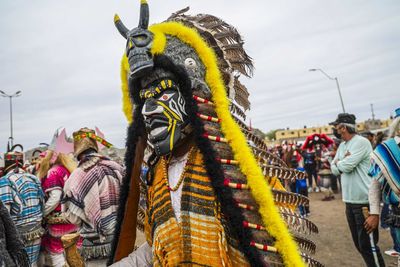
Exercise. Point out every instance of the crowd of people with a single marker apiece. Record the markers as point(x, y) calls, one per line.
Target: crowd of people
point(366, 168)
point(59, 195)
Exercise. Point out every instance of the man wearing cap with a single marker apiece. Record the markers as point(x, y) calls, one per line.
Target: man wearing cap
point(92, 194)
point(352, 162)
point(22, 195)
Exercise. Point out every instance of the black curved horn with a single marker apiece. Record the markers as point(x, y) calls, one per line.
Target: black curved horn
point(15, 146)
point(36, 151)
point(144, 15)
point(120, 26)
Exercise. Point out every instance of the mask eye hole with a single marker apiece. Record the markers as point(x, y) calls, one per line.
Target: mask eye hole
point(165, 97)
point(141, 37)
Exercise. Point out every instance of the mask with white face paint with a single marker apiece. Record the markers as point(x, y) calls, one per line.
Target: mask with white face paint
point(164, 115)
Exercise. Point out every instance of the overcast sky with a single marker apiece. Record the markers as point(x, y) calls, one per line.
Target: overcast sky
point(65, 57)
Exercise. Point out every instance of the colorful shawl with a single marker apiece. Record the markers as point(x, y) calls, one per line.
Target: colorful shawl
point(23, 192)
point(92, 194)
point(386, 168)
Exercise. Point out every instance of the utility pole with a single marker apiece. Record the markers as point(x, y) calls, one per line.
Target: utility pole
point(16, 94)
point(372, 112)
point(337, 85)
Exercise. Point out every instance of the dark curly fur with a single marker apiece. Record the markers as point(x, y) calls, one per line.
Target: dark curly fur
point(135, 130)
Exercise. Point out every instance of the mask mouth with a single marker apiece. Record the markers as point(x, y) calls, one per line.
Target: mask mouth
point(158, 128)
point(141, 63)
point(141, 70)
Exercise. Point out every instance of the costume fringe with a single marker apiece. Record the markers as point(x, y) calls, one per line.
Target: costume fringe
point(96, 252)
point(140, 219)
point(32, 235)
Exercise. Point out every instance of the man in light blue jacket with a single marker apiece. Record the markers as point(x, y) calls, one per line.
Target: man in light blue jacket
point(352, 162)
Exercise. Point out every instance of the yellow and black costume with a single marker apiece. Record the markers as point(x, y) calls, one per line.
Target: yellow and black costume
point(181, 78)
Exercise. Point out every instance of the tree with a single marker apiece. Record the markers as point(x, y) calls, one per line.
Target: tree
point(271, 135)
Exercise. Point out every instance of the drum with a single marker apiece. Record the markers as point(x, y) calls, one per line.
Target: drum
point(325, 175)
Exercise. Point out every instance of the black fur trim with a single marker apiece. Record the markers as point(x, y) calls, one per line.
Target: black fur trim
point(135, 130)
point(233, 215)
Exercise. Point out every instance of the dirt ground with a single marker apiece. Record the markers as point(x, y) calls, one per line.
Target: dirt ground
point(334, 244)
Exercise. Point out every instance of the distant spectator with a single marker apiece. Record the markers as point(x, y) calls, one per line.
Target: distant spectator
point(370, 136)
point(335, 179)
point(299, 186)
point(310, 166)
point(326, 175)
point(312, 153)
point(379, 138)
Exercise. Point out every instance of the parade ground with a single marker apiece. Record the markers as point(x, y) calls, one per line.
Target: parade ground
point(334, 244)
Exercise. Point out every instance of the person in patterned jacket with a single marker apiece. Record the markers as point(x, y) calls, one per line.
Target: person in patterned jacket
point(91, 195)
point(22, 196)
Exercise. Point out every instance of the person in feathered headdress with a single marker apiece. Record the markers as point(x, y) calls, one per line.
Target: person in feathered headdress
point(208, 189)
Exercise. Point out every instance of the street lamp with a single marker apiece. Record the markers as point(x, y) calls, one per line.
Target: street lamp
point(16, 94)
point(337, 84)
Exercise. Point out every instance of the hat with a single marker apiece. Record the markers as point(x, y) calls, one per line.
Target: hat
point(367, 133)
point(397, 113)
point(85, 139)
point(13, 159)
point(344, 118)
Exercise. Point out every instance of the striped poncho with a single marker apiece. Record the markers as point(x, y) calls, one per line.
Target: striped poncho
point(198, 237)
point(91, 197)
point(22, 194)
point(385, 168)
